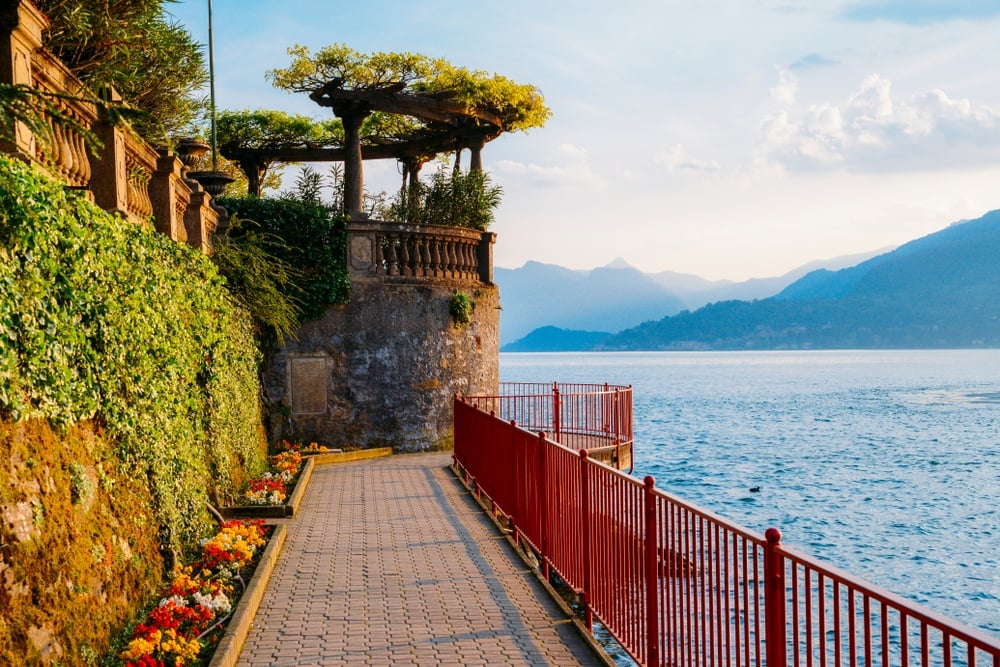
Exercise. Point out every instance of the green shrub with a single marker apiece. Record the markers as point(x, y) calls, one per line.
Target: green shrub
point(307, 235)
point(259, 281)
point(452, 199)
point(102, 318)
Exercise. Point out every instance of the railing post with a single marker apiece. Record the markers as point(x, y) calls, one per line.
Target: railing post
point(588, 613)
point(652, 575)
point(516, 454)
point(774, 600)
point(484, 257)
point(555, 411)
point(543, 501)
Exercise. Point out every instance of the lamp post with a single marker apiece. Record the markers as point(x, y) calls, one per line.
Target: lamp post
point(213, 181)
point(211, 87)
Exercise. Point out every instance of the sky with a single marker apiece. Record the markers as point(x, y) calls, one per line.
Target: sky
point(724, 138)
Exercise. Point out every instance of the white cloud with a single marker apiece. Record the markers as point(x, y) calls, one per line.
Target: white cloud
point(786, 89)
point(574, 174)
point(677, 161)
point(872, 131)
point(573, 150)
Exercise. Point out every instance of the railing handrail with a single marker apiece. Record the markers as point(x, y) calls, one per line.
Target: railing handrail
point(719, 593)
point(913, 609)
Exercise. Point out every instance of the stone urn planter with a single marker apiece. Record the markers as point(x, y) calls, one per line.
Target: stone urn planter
point(213, 182)
point(189, 149)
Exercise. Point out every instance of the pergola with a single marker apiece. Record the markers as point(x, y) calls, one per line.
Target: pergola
point(446, 126)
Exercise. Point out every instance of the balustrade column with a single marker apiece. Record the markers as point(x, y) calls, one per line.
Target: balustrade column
point(436, 256)
point(392, 257)
point(380, 262)
point(425, 247)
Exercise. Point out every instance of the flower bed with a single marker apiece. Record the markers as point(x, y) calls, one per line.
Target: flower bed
point(184, 627)
point(276, 493)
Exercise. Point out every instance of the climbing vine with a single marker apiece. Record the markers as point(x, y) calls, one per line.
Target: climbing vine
point(105, 319)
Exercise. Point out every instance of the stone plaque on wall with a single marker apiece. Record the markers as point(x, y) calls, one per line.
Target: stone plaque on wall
point(361, 253)
point(307, 380)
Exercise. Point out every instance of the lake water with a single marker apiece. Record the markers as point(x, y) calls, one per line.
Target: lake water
point(883, 463)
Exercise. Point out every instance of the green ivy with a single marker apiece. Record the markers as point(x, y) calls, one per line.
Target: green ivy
point(460, 307)
point(103, 318)
point(310, 237)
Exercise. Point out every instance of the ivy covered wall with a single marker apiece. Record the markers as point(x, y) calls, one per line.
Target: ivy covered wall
point(110, 327)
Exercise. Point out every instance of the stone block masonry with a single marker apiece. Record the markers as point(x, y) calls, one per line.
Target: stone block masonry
point(381, 370)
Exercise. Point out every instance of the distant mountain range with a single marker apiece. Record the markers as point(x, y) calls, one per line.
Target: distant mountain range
point(942, 290)
point(618, 296)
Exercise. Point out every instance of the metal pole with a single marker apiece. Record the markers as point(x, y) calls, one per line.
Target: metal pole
point(774, 600)
point(211, 86)
point(588, 596)
point(651, 544)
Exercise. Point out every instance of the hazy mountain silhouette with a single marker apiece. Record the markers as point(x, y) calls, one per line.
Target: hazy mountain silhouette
point(942, 290)
point(618, 296)
point(609, 298)
point(554, 339)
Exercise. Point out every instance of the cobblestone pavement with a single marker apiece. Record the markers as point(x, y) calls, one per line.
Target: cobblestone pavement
point(390, 562)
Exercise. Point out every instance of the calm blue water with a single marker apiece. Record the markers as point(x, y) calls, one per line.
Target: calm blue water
point(882, 463)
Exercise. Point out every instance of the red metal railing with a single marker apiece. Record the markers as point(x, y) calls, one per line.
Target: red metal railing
point(677, 585)
point(577, 416)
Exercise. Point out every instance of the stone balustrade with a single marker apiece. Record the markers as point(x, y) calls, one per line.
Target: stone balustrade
point(125, 175)
point(401, 250)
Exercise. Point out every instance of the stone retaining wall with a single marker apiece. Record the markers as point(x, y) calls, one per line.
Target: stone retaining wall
point(381, 370)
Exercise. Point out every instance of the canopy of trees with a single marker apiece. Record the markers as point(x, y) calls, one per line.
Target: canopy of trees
point(133, 46)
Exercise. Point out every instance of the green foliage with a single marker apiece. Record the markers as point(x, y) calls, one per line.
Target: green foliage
point(452, 198)
point(303, 233)
point(81, 487)
point(339, 62)
point(130, 45)
point(259, 281)
point(460, 307)
point(101, 318)
point(250, 137)
point(264, 129)
point(519, 106)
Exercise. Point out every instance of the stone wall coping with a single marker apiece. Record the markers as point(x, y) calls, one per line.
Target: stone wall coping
point(368, 226)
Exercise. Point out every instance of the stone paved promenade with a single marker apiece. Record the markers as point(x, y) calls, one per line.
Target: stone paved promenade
point(390, 562)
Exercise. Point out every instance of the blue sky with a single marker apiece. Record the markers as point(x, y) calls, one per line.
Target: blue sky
point(725, 138)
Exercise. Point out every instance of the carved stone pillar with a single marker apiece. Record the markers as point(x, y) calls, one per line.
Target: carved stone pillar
point(484, 257)
point(109, 181)
point(170, 197)
point(21, 26)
